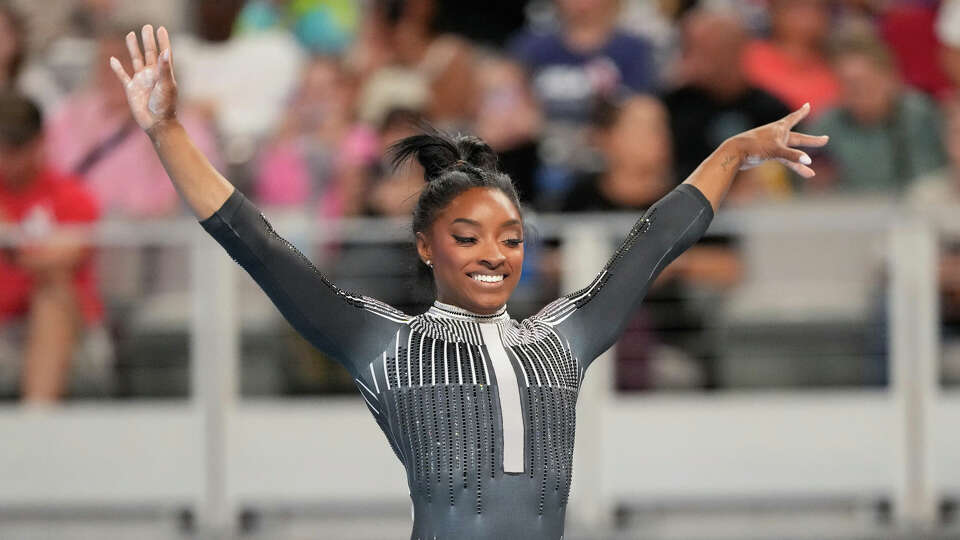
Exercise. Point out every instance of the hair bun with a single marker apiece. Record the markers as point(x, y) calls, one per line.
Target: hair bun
point(437, 151)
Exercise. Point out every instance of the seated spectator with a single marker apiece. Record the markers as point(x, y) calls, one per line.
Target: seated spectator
point(93, 135)
point(50, 308)
point(240, 82)
point(716, 101)
point(882, 135)
point(634, 138)
point(586, 58)
point(394, 192)
point(793, 65)
point(509, 120)
point(398, 40)
point(320, 154)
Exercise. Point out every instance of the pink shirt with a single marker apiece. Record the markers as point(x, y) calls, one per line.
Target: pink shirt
point(129, 180)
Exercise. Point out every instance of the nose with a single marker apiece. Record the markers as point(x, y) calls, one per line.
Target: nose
point(493, 257)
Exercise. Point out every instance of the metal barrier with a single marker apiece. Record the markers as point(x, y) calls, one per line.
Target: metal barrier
point(218, 453)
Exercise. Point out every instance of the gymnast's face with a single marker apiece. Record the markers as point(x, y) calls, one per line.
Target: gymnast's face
point(476, 247)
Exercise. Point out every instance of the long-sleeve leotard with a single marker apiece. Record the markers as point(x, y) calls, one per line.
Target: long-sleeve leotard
point(480, 409)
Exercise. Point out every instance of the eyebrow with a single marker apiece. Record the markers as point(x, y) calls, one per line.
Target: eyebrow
point(506, 223)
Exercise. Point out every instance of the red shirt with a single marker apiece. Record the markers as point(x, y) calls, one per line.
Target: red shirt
point(51, 199)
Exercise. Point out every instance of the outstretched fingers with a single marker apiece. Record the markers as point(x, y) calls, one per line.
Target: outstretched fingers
point(134, 48)
point(798, 168)
point(810, 141)
point(796, 116)
point(149, 45)
point(797, 160)
point(166, 66)
point(117, 68)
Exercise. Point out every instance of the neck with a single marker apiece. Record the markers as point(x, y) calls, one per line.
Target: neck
point(443, 309)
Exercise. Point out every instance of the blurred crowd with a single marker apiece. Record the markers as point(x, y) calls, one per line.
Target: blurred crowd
point(592, 105)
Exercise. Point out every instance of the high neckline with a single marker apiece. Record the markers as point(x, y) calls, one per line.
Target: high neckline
point(450, 311)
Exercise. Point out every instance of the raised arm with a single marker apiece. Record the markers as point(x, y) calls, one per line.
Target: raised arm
point(349, 327)
point(593, 318)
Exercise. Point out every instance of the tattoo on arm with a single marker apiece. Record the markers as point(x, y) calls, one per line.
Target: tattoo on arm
point(728, 161)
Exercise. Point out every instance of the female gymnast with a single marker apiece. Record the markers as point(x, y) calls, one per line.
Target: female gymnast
point(479, 408)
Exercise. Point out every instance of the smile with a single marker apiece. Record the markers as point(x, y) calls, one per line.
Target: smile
point(486, 278)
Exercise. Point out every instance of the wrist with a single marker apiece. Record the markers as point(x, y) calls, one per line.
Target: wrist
point(731, 153)
point(161, 127)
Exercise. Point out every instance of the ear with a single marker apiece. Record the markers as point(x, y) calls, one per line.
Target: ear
point(423, 247)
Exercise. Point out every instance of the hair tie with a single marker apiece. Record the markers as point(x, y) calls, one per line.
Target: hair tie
point(460, 162)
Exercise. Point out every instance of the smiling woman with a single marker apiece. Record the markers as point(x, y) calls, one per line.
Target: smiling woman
point(478, 407)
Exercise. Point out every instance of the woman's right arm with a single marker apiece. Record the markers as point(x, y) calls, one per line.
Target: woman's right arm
point(349, 327)
point(152, 95)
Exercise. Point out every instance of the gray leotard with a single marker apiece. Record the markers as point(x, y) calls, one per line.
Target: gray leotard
point(480, 409)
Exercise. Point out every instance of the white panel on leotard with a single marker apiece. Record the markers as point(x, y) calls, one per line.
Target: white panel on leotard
point(508, 390)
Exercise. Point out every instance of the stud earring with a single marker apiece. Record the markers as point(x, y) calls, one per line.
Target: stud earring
point(428, 263)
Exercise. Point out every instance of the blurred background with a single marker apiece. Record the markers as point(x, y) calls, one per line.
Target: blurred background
point(794, 375)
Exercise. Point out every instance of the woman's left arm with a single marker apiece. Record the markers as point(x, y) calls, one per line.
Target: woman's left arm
point(593, 318)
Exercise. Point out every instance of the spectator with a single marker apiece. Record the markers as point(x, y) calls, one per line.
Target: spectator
point(792, 65)
point(586, 58)
point(509, 120)
point(320, 155)
point(242, 82)
point(715, 99)
point(398, 42)
point(94, 136)
point(50, 309)
point(634, 139)
point(394, 193)
point(16, 73)
point(882, 135)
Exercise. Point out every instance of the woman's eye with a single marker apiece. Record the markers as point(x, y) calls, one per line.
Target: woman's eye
point(464, 239)
point(514, 242)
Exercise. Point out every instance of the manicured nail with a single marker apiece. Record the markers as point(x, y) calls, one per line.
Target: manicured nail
point(805, 159)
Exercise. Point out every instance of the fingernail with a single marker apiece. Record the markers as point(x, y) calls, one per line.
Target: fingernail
point(806, 105)
point(114, 61)
point(805, 159)
point(165, 55)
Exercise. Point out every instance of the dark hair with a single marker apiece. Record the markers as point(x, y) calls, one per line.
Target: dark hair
point(452, 164)
point(20, 38)
point(20, 119)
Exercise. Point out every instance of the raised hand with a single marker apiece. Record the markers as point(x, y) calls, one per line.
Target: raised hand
point(774, 141)
point(152, 90)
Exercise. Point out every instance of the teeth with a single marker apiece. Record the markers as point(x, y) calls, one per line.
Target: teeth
point(487, 279)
